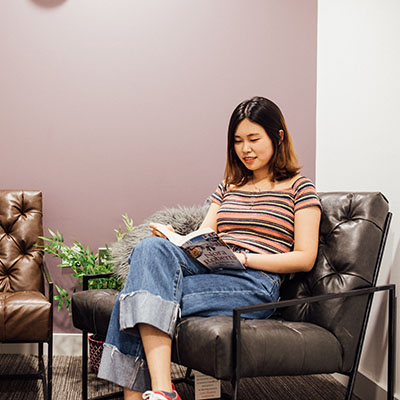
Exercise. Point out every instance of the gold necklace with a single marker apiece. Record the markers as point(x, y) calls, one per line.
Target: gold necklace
point(254, 197)
point(258, 189)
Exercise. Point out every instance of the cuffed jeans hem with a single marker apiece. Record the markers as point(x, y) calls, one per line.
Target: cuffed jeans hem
point(147, 308)
point(124, 370)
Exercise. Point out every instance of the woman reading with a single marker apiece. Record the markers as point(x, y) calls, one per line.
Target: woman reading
point(264, 210)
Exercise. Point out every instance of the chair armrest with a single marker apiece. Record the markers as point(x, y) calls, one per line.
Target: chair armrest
point(46, 273)
point(49, 280)
point(286, 303)
point(314, 299)
point(87, 278)
point(237, 312)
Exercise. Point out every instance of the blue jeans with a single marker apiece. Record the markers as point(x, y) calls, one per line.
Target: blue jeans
point(163, 284)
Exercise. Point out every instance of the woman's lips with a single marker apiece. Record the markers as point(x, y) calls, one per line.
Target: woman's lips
point(249, 159)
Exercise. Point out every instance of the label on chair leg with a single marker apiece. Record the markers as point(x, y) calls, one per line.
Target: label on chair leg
point(206, 387)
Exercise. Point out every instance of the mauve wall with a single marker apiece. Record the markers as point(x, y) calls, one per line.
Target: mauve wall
point(122, 106)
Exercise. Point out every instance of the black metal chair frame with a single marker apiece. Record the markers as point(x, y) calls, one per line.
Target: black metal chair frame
point(85, 286)
point(287, 303)
point(237, 312)
point(41, 374)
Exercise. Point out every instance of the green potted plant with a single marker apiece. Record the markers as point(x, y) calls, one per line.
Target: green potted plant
point(82, 261)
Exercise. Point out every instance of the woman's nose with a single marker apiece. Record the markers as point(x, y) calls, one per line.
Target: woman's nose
point(246, 147)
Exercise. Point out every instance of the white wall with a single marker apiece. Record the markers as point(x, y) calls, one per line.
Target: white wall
point(358, 138)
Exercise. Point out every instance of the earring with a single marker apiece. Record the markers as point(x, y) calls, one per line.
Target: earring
point(281, 135)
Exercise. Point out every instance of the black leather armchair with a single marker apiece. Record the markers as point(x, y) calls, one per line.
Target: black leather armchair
point(320, 323)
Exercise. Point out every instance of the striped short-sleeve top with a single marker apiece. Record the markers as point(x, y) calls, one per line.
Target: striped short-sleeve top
point(262, 222)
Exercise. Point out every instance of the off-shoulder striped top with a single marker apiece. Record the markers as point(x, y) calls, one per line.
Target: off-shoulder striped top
point(262, 222)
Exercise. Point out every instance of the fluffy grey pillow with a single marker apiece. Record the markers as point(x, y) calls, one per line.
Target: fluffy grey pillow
point(183, 219)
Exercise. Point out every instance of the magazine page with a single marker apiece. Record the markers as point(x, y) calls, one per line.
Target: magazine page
point(175, 237)
point(212, 252)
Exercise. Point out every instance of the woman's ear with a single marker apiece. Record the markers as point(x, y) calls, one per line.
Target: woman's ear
point(281, 136)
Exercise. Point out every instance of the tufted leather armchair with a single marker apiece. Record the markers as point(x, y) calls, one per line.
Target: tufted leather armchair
point(26, 314)
point(320, 321)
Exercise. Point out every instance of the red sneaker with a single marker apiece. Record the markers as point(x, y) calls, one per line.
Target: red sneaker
point(150, 395)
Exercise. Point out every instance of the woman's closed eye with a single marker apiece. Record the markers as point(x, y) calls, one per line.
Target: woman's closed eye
point(250, 140)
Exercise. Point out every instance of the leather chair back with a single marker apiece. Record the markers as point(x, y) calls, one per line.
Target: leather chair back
point(350, 235)
point(20, 228)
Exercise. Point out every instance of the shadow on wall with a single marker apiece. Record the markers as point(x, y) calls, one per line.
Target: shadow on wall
point(376, 348)
point(48, 3)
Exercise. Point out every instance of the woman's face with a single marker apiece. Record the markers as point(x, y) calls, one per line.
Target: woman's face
point(253, 146)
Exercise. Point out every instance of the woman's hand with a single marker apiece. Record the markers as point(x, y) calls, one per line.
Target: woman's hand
point(156, 232)
point(240, 257)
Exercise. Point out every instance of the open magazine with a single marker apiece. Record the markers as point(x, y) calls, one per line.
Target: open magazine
point(205, 246)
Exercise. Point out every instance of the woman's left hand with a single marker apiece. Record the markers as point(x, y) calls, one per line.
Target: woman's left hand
point(156, 232)
point(240, 257)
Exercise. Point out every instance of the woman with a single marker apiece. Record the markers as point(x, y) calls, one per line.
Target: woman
point(264, 210)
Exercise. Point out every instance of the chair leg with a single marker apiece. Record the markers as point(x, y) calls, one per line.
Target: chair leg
point(40, 355)
point(50, 368)
point(84, 365)
point(391, 344)
point(188, 378)
point(350, 385)
point(235, 388)
point(42, 370)
point(85, 359)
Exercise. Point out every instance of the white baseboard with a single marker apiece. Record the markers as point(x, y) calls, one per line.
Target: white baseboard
point(364, 387)
point(64, 344)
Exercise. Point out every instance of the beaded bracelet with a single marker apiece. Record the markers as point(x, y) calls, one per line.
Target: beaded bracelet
point(245, 258)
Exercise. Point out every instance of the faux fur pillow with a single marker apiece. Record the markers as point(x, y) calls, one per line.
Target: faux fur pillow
point(183, 219)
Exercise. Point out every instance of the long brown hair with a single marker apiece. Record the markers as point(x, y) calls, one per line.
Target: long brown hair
point(284, 162)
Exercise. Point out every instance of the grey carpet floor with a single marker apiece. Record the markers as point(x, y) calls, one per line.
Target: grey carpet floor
point(67, 383)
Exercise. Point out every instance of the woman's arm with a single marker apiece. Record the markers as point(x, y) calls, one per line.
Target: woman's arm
point(302, 258)
point(210, 220)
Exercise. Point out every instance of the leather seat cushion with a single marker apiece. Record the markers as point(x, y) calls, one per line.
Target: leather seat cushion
point(205, 344)
point(91, 310)
point(24, 316)
point(198, 340)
